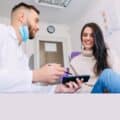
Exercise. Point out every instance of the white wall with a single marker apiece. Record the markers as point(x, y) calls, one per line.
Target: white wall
point(61, 34)
point(94, 14)
point(4, 20)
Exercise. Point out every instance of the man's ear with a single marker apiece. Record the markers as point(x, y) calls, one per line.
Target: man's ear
point(21, 17)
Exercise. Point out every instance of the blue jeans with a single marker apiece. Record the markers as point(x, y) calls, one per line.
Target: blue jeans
point(108, 80)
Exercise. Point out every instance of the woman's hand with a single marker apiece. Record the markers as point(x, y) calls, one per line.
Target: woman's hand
point(70, 87)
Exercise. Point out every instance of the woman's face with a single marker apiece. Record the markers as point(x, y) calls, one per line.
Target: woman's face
point(87, 38)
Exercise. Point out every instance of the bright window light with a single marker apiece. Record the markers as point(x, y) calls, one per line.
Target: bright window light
point(54, 3)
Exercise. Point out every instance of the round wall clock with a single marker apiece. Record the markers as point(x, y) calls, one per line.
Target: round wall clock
point(50, 29)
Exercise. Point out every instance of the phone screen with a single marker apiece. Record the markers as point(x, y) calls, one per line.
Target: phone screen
point(84, 78)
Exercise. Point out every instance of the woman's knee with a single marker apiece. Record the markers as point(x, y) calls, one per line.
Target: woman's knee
point(106, 74)
point(106, 71)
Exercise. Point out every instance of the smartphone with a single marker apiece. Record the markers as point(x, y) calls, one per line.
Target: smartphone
point(84, 78)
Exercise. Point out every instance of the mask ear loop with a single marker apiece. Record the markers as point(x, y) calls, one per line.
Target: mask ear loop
point(26, 17)
point(26, 25)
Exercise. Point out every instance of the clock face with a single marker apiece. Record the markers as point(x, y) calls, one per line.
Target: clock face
point(51, 29)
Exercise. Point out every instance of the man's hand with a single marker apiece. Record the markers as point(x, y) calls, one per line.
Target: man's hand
point(49, 73)
point(70, 87)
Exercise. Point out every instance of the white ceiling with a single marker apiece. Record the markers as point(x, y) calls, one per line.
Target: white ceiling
point(69, 15)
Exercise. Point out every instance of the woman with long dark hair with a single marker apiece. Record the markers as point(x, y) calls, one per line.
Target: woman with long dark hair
point(99, 48)
point(95, 56)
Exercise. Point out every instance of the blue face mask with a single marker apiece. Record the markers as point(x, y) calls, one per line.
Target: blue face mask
point(24, 33)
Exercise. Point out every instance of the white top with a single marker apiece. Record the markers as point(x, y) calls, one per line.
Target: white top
point(83, 64)
point(15, 75)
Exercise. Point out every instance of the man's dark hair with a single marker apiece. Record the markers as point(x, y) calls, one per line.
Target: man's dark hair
point(27, 6)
